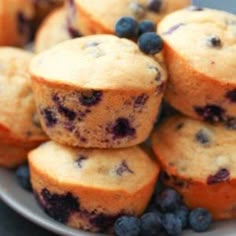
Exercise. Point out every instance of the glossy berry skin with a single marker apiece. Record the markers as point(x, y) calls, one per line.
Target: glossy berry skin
point(146, 26)
point(150, 43)
point(127, 226)
point(200, 219)
point(126, 27)
point(172, 224)
point(23, 177)
point(168, 200)
point(183, 213)
point(150, 224)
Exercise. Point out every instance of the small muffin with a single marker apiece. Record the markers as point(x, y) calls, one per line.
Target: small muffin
point(44, 7)
point(16, 17)
point(198, 160)
point(97, 91)
point(89, 188)
point(54, 30)
point(199, 50)
point(96, 16)
point(19, 126)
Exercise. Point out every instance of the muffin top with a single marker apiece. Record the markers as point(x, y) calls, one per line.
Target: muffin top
point(53, 30)
point(206, 38)
point(18, 112)
point(98, 62)
point(111, 169)
point(196, 149)
point(107, 13)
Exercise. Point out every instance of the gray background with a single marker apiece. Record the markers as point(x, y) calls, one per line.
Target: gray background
point(12, 224)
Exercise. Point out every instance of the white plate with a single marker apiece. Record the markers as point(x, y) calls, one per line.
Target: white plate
point(24, 203)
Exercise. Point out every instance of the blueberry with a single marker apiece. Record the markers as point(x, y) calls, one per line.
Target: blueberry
point(126, 27)
point(150, 43)
point(123, 167)
point(214, 41)
point(90, 98)
point(146, 26)
point(182, 213)
point(200, 219)
point(150, 224)
point(23, 177)
point(154, 5)
point(122, 128)
point(202, 137)
point(127, 226)
point(172, 224)
point(49, 116)
point(168, 200)
point(231, 95)
point(221, 175)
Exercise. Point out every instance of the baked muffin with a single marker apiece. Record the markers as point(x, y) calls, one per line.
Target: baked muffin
point(19, 127)
point(198, 159)
point(96, 16)
point(199, 50)
point(53, 30)
point(16, 17)
point(89, 188)
point(97, 91)
point(44, 7)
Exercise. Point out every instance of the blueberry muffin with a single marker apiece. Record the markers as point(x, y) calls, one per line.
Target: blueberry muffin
point(19, 126)
point(54, 30)
point(96, 16)
point(201, 84)
point(97, 91)
point(90, 188)
point(44, 7)
point(16, 17)
point(198, 160)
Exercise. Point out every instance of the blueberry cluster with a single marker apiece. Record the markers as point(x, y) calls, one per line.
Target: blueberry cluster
point(166, 214)
point(144, 32)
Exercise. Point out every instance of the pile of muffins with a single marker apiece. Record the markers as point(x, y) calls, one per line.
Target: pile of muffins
point(97, 97)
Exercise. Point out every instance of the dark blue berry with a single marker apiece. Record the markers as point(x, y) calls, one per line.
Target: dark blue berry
point(231, 95)
point(23, 177)
point(90, 98)
point(182, 213)
point(154, 5)
point(222, 175)
point(172, 224)
point(146, 26)
point(126, 27)
point(49, 116)
point(200, 219)
point(150, 224)
point(127, 226)
point(211, 113)
point(150, 43)
point(59, 206)
point(214, 41)
point(202, 137)
point(122, 128)
point(123, 167)
point(169, 200)
point(69, 114)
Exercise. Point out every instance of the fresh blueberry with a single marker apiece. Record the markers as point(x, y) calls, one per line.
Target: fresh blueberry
point(126, 27)
point(150, 43)
point(172, 224)
point(200, 220)
point(169, 200)
point(146, 26)
point(23, 177)
point(182, 213)
point(154, 5)
point(127, 226)
point(150, 224)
